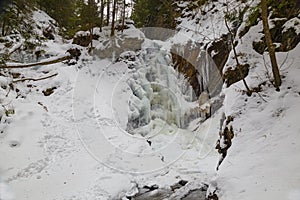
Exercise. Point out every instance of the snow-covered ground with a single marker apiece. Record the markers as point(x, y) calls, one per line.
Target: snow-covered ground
point(263, 161)
point(75, 143)
point(66, 142)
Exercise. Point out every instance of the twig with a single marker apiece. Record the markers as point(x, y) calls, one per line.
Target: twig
point(197, 32)
point(19, 47)
point(261, 97)
point(236, 57)
point(35, 79)
point(268, 73)
point(286, 57)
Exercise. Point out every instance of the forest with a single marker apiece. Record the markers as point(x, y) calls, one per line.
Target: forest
point(149, 99)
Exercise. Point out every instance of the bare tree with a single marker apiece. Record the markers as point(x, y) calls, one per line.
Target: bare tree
point(271, 48)
point(236, 55)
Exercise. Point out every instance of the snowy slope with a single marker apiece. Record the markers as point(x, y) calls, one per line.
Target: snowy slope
point(263, 161)
point(74, 145)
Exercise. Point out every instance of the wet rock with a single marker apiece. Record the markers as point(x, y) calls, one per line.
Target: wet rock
point(199, 67)
point(188, 70)
point(219, 50)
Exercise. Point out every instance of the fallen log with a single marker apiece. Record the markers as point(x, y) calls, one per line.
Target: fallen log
point(48, 62)
point(34, 79)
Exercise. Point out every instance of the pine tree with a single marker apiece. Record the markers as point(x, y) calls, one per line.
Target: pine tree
point(16, 18)
point(155, 13)
point(63, 12)
point(89, 17)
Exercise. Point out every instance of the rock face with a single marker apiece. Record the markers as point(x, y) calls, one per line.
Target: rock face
point(130, 40)
point(199, 68)
point(284, 33)
point(219, 51)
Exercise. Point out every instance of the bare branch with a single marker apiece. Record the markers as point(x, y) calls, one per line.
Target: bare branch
point(35, 79)
point(236, 57)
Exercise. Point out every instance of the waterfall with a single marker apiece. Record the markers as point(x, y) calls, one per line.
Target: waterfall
point(160, 93)
point(163, 92)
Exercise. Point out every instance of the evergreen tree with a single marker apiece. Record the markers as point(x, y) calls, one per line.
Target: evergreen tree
point(89, 17)
point(15, 18)
point(62, 11)
point(155, 13)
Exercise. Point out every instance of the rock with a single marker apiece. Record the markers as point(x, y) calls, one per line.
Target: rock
point(188, 70)
point(158, 33)
point(49, 91)
point(219, 51)
point(178, 185)
point(198, 67)
point(49, 33)
point(259, 46)
point(195, 194)
point(82, 40)
point(287, 39)
point(178, 191)
point(232, 76)
point(74, 53)
point(131, 40)
point(152, 192)
point(119, 27)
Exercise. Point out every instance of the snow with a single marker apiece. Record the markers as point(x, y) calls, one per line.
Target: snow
point(292, 23)
point(62, 155)
point(263, 161)
point(74, 144)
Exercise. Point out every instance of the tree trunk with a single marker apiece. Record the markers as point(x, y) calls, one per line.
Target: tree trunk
point(91, 37)
point(49, 62)
point(108, 12)
point(113, 19)
point(101, 14)
point(271, 48)
point(123, 15)
point(3, 28)
point(248, 92)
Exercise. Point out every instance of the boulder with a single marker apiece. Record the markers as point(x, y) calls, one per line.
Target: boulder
point(130, 40)
point(284, 33)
